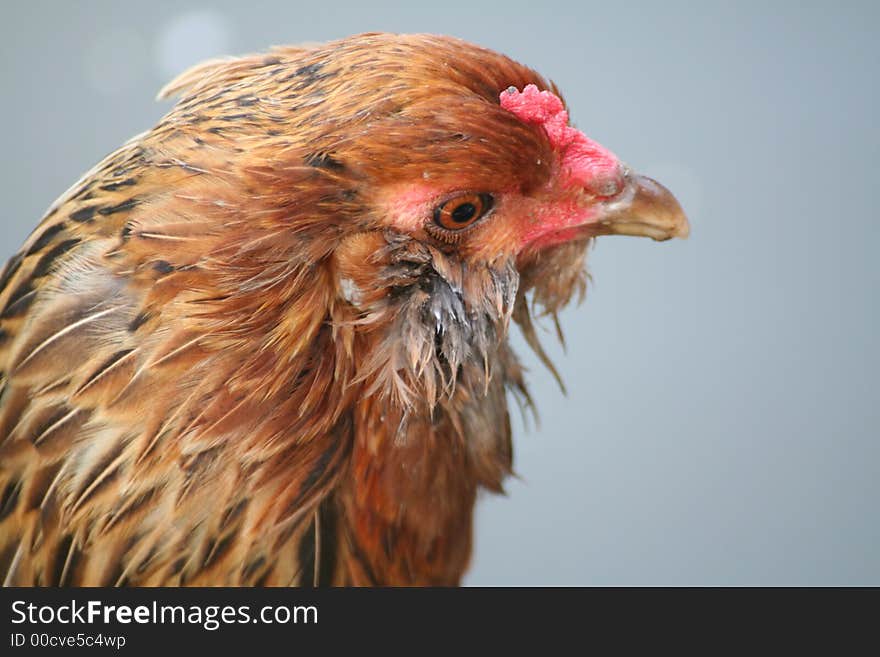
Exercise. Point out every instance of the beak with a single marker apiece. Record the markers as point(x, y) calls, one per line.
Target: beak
point(644, 208)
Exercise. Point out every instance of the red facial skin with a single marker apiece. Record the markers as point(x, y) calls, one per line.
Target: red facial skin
point(586, 172)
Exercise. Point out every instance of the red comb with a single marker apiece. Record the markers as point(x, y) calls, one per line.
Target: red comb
point(584, 162)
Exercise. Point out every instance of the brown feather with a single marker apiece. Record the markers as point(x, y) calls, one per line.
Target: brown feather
point(223, 365)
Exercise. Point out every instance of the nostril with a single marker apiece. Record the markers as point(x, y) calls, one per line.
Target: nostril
point(606, 186)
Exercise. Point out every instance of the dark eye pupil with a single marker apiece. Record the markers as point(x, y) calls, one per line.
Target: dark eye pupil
point(464, 213)
point(460, 212)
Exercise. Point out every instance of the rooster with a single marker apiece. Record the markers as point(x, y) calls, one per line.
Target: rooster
point(265, 342)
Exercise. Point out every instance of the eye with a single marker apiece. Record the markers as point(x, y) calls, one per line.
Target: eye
point(462, 211)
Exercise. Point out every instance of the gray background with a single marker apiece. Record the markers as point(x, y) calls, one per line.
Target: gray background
point(721, 425)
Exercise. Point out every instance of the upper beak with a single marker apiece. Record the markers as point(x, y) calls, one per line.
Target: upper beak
point(643, 208)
